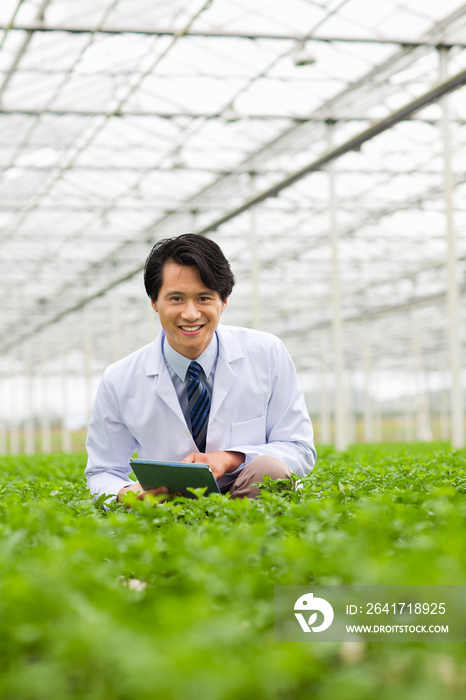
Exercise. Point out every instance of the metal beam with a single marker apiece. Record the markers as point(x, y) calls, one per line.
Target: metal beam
point(42, 27)
point(21, 50)
point(296, 118)
point(354, 143)
point(365, 315)
point(164, 115)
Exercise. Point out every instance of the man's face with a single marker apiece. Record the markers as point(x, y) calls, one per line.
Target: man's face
point(188, 311)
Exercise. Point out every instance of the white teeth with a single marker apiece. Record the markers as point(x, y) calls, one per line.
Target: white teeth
point(190, 328)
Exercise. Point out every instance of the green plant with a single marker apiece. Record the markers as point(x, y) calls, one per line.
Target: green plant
point(176, 600)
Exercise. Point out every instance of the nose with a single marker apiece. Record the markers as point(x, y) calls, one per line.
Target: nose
point(190, 311)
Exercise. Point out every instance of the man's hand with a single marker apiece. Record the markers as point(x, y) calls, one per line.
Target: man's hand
point(140, 491)
point(219, 462)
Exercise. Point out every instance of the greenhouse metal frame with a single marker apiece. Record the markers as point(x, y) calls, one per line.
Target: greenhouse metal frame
point(320, 143)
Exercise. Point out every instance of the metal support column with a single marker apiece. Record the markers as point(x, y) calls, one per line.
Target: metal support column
point(423, 428)
point(88, 361)
point(116, 334)
point(254, 252)
point(29, 428)
point(325, 436)
point(351, 415)
point(3, 416)
point(378, 421)
point(341, 435)
point(46, 438)
point(368, 431)
point(444, 408)
point(408, 420)
point(14, 410)
point(65, 433)
point(454, 337)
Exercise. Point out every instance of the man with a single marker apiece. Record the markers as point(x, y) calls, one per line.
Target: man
point(201, 392)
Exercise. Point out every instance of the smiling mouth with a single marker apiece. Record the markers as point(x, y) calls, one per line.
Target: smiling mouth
point(190, 329)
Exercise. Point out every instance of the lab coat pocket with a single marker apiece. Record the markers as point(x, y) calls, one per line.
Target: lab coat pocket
point(249, 432)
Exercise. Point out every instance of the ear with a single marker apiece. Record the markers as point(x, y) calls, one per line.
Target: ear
point(153, 303)
point(224, 305)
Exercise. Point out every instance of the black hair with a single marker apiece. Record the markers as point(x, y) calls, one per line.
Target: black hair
point(193, 250)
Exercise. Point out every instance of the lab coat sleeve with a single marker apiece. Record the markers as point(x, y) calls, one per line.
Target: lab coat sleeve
point(109, 444)
point(289, 432)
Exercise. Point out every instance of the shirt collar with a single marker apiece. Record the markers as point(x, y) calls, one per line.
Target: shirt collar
point(180, 363)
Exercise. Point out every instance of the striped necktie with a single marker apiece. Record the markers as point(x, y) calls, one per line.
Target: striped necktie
point(199, 406)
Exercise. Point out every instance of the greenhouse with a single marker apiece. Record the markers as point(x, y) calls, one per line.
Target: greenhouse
point(322, 145)
point(319, 143)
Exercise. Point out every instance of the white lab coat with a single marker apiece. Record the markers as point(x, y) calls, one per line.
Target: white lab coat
point(257, 408)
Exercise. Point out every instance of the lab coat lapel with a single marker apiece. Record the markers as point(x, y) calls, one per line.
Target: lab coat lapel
point(229, 352)
point(163, 385)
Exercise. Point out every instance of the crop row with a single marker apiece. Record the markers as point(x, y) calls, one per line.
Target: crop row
point(176, 599)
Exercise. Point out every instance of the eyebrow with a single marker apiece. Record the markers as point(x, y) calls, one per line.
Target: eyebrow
point(169, 292)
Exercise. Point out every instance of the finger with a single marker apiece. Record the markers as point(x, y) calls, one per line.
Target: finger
point(158, 490)
point(198, 457)
point(154, 492)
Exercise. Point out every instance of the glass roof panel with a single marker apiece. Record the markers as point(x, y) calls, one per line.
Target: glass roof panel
point(122, 122)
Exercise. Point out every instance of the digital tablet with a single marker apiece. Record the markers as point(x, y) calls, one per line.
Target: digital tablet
point(176, 476)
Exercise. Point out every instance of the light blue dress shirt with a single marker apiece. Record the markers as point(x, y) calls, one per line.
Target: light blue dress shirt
point(177, 366)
